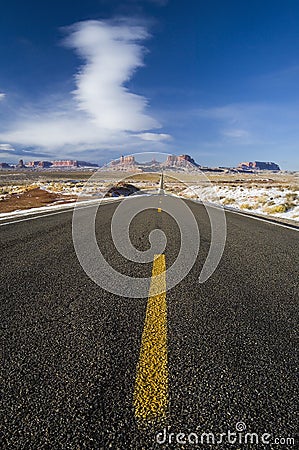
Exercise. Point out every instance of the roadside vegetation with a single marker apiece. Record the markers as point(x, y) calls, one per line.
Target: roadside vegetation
point(269, 194)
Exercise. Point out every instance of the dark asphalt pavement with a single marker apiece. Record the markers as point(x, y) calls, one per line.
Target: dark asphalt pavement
point(70, 349)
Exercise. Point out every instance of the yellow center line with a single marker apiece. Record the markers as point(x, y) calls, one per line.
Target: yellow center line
point(159, 210)
point(151, 385)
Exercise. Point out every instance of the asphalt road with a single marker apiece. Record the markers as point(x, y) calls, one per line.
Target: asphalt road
point(70, 349)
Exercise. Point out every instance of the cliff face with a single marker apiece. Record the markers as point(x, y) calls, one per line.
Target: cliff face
point(124, 161)
point(128, 163)
point(180, 161)
point(259, 165)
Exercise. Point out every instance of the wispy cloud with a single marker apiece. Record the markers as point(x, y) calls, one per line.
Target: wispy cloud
point(231, 113)
point(6, 147)
point(256, 130)
point(153, 137)
point(2, 95)
point(277, 81)
point(236, 133)
point(7, 150)
point(101, 112)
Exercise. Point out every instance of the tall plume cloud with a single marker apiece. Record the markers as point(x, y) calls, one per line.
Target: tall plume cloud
point(111, 54)
point(101, 112)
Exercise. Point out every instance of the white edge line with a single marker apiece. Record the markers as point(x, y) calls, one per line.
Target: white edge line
point(266, 220)
point(270, 221)
point(62, 211)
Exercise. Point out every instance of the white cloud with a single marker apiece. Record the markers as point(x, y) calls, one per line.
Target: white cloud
point(236, 133)
point(156, 137)
point(6, 147)
point(101, 112)
point(111, 54)
point(231, 113)
point(265, 130)
point(2, 95)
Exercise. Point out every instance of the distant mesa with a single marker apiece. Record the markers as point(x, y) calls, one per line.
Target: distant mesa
point(179, 163)
point(37, 164)
point(187, 163)
point(20, 164)
point(126, 163)
point(184, 161)
point(43, 164)
point(127, 160)
point(66, 163)
point(258, 165)
point(4, 165)
point(129, 163)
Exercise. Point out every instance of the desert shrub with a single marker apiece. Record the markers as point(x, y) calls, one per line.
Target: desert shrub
point(290, 197)
point(290, 205)
point(246, 206)
point(30, 187)
point(262, 199)
point(228, 201)
point(275, 209)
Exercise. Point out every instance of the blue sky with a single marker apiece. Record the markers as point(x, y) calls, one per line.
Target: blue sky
point(95, 79)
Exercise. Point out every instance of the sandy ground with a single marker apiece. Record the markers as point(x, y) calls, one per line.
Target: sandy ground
point(32, 198)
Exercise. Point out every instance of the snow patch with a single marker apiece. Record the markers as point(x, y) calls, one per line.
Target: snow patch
point(270, 201)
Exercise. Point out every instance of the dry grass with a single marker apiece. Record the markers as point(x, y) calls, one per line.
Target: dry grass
point(247, 206)
point(275, 209)
point(228, 201)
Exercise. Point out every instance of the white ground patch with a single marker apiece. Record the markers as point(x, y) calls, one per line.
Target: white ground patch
point(271, 201)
